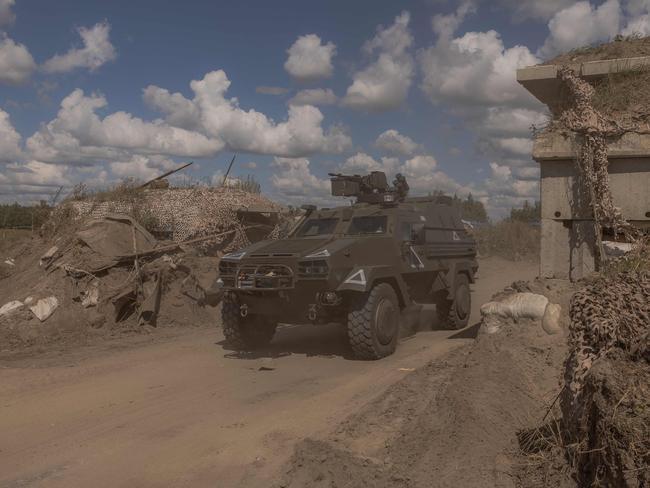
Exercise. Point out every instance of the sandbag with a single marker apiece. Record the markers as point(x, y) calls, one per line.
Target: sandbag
point(516, 306)
point(551, 319)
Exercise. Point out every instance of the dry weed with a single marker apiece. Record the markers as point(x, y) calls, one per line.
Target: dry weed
point(509, 239)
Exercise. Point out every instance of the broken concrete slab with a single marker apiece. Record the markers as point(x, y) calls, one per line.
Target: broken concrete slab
point(617, 249)
point(44, 308)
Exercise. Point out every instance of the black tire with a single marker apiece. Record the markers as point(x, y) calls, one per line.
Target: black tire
point(373, 323)
point(244, 333)
point(454, 313)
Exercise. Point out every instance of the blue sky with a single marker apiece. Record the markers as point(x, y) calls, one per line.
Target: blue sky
point(99, 91)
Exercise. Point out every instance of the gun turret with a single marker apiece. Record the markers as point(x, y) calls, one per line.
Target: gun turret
point(372, 188)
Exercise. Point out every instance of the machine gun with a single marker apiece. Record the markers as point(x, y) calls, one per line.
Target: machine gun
point(372, 188)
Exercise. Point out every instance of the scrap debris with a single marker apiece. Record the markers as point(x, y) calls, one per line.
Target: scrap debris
point(44, 307)
point(112, 272)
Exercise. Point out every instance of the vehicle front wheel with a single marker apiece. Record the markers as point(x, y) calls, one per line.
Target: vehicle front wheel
point(244, 333)
point(373, 323)
point(455, 313)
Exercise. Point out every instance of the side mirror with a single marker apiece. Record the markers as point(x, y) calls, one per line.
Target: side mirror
point(419, 234)
point(308, 209)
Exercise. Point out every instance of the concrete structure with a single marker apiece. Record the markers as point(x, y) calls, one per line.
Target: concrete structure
point(568, 240)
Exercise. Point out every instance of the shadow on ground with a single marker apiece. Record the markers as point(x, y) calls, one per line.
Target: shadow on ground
point(330, 340)
point(327, 340)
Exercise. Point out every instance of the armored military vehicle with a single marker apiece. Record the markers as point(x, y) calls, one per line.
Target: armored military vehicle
point(363, 265)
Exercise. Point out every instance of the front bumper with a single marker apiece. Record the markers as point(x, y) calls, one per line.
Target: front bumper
point(267, 277)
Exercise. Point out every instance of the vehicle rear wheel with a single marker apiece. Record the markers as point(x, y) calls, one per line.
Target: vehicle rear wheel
point(244, 333)
point(373, 323)
point(455, 313)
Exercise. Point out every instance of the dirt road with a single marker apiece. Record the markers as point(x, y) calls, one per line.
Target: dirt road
point(190, 413)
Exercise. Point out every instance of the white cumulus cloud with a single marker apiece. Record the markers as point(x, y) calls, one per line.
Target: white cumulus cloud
point(535, 9)
point(141, 167)
point(198, 127)
point(248, 130)
point(78, 134)
point(475, 68)
point(384, 84)
point(474, 76)
point(10, 150)
point(6, 14)
point(16, 63)
point(294, 181)
point(309, 59)
point(581, 24)
point(96, 51)
point(32, 181)
point(393, 142)
point(180, 111)
point(314, 96)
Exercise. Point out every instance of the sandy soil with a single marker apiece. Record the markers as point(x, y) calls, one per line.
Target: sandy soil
point(187, 412)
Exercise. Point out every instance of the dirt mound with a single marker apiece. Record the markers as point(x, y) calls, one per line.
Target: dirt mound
point(321, 464)
point(628, 47)
point(108, 277)
point(611, 424)
point(452, 423)
point(621, 98)
point(606, 398)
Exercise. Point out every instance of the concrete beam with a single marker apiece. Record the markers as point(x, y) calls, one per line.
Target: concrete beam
point(543, 83)
point(562, 198)
point(550, 146)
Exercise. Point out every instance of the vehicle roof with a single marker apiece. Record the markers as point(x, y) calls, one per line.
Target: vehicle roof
point(363, 209)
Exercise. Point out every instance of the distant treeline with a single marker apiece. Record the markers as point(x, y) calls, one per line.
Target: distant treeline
point(471, 209)
point(528, 213)
point(16, 216)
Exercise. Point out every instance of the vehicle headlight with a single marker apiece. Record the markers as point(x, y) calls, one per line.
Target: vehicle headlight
point(234, 255)
point(313, 269)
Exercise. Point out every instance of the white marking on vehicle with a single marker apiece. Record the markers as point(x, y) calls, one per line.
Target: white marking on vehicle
point(420, 263)
point(358, 278)
point(324, 253)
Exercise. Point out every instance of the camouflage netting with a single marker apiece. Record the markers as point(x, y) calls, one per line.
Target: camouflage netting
point(605, 401)
point(594, 131)
point(184, 213)
point(606, 398)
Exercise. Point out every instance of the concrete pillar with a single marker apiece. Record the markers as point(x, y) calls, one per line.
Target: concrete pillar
point(583, 252)
point(555, 255)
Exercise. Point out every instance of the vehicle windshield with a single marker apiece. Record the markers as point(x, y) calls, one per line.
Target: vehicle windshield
point(317, 227)
point(368, 225)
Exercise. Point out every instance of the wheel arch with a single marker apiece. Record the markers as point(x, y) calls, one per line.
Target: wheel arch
point(445, 282)
point(372, 276)
point(390, 280)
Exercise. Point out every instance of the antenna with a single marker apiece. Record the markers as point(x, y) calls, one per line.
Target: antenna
point(225, 177)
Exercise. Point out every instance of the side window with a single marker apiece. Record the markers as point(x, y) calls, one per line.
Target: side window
point(405, 231)
point(411, 232)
